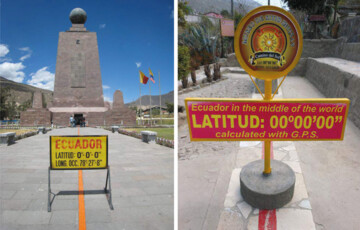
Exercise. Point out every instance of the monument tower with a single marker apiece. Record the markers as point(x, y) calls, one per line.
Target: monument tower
point(78, 87)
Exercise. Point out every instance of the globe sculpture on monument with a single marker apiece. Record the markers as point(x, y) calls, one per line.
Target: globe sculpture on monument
point(78, 86)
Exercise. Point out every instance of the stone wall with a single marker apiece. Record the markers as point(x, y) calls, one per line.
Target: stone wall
point(350, 28)
point(120, 114)
point(336, 82)
point(319, 47)
point(35, 117)
point(339, 48)
point(349, 51)
point(300, 68)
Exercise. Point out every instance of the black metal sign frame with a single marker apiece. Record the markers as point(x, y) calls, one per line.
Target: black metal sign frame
point(106, 190)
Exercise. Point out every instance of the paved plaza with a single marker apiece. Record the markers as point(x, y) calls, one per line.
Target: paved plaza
point(141, 178)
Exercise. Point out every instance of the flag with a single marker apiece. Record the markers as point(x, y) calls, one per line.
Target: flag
point(151, 76)
point(143, 79)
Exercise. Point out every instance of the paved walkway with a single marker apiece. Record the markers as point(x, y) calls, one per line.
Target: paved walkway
point(330, 172)
point(141, 177)
point(205, 167)
point(331, 169)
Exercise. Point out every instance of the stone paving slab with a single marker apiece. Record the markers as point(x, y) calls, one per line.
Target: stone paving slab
point(205, 167)
point(141, 178)
point(284, 151)
point(236, 210)
point(331, 169)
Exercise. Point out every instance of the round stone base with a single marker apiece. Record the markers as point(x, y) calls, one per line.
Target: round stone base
point(267, 191)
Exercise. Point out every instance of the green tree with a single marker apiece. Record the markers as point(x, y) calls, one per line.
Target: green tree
point(225, 14)
point(169, 107)
point(309, 6)
point(183, 10)
point(25, 105)
point(202, 39)
point(155, 111)
point(12, 109)
point(4, 95)
point(183, 64)
point(237, 18)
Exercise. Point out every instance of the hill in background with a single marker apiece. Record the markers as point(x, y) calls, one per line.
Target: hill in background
point(216, 6)
point(155, 100)
point(22, 93)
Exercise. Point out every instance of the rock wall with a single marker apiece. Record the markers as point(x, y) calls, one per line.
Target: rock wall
point(339, 48)
point(350, 28)
point(120, 114)
point(335, 82)
point(37, 115)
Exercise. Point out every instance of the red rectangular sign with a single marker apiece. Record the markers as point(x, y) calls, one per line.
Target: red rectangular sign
point(278, 120)
point(227, 27)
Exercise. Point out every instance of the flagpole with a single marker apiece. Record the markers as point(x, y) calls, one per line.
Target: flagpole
point(150, 102)
point(140, 103)
point(160, 100)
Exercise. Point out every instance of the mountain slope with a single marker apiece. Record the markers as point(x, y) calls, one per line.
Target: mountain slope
point(21, 93)
point(155, 100)
point(206, 6)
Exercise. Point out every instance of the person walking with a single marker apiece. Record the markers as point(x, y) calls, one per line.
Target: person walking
point(72, 121)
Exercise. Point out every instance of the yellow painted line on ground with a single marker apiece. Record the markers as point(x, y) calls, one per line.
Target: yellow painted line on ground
point(82, 218)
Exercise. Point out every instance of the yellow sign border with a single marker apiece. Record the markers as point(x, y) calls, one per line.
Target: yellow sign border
point(267, 75)
point(292, 100)
point(80, 168)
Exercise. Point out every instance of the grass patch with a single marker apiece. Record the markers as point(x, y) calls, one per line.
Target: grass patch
point(167, 133)
point(17, 131)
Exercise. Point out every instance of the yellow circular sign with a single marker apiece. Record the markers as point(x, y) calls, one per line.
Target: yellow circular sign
point(268, 42)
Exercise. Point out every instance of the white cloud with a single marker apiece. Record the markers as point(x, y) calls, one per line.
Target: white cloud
point(108, 99)
point(25, 57)
point(3, 50)
point(102, 26)
point(138, 64)
point(12, 71)
point(28, 51)
point(42, 79)
point(106, 87)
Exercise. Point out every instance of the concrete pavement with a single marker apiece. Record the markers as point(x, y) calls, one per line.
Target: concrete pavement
point(141, 177)
point(331, 169)
point(329, 173)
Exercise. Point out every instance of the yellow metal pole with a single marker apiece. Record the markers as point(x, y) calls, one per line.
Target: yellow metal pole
point(268, 93)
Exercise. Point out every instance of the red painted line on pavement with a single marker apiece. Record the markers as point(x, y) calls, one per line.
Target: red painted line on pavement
point(267, 218)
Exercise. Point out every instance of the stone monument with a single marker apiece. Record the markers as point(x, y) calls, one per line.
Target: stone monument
point(78, 88)
point(120, 114)
point(37, 115)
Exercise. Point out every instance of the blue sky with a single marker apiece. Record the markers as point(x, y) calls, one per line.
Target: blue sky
point(132, 36)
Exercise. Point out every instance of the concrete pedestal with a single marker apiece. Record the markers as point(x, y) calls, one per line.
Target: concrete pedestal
point(267, 192)
point(148, 136)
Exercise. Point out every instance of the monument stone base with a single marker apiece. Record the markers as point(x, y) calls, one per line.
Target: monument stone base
point(35, 116)
point(124, 117)
point(267, 191)
point(92, 118)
